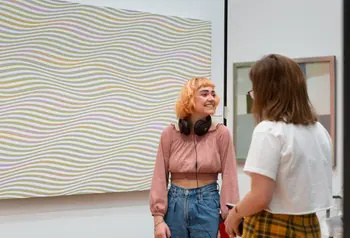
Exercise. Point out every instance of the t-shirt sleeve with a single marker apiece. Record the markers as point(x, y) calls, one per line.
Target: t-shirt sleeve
point(264, 154)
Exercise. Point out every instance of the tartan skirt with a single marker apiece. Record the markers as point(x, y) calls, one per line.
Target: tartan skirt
point(265, 224)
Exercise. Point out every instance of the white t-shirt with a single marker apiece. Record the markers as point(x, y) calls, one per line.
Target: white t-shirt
point(299, 159)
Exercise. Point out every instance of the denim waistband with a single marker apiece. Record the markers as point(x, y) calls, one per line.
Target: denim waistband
point(193, 191)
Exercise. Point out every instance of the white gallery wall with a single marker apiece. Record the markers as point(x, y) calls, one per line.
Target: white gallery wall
point(294, 28)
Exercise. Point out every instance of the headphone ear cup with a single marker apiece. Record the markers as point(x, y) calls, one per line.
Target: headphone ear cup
point(184, 127)
point(202, 126)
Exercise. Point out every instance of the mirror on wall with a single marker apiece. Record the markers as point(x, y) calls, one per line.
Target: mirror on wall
point(320, 75)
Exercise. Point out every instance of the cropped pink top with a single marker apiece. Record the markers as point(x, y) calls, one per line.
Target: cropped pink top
point(177, 155)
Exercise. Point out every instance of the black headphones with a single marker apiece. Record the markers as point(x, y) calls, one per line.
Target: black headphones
point(200, 128)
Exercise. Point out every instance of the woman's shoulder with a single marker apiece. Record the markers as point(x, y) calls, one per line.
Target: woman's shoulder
point(221, 131)
point(168, 130)
point(274, 127)
point(167, 134)
point(220, 127)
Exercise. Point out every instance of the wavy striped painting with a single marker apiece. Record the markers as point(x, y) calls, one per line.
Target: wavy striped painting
point(85, 93)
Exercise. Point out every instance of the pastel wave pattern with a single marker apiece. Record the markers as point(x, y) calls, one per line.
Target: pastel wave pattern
point(85, 93)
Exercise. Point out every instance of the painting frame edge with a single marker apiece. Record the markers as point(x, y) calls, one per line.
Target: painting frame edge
point(236, 66)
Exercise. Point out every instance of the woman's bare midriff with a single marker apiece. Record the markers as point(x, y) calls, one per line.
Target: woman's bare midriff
point(193, 180)
point(189, 183)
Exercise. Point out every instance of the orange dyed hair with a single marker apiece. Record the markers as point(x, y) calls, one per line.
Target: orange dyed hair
point(185, 105)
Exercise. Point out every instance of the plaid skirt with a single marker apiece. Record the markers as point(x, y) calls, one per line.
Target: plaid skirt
point(265, 224)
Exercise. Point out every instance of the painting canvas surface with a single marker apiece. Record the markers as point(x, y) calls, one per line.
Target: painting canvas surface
point(85, 93)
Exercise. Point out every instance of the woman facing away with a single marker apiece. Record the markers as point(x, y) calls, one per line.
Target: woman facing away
point(289, 159)
point(193, 152)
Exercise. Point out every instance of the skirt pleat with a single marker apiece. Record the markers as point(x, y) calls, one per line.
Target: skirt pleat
point(265, 224)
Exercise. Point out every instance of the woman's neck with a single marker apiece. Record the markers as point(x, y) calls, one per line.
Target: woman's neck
point(195, 118)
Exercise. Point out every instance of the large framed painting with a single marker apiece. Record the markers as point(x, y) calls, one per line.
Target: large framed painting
point(320, 75)
point(85, 92)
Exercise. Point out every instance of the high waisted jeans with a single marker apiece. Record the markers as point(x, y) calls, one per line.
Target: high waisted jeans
point(193, 213)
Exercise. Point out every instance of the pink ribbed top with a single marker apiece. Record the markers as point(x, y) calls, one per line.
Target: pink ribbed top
point(177, 155)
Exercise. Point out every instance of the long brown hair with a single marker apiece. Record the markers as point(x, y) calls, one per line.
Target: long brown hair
point(280, 91)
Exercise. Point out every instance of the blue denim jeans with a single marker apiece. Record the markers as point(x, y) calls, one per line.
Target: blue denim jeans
point(193, 213)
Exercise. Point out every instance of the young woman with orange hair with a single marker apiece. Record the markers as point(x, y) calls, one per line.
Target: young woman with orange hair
point(289, 159)
point(193, 152)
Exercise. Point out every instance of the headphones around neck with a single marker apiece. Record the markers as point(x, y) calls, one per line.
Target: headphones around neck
point(201, 127)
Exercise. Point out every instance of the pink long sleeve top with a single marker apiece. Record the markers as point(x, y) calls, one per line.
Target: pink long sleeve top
point(177, 156)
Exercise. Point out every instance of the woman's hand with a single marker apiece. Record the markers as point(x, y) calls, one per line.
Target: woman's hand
point(232, 222)
point(162, 231)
